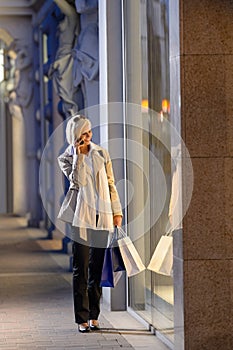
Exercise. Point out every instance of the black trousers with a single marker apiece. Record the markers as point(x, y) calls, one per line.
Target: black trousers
point(87, 269)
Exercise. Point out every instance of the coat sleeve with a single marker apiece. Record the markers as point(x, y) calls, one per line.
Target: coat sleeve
point(74, 168)
point(115, 200)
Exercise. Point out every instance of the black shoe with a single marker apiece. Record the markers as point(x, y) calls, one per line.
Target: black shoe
point(83, 327)
point(94, 325)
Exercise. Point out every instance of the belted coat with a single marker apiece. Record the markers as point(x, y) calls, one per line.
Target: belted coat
point(79, 206)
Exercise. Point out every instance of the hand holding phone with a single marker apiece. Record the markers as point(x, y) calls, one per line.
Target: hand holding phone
point(81, 143)
point(77, 145)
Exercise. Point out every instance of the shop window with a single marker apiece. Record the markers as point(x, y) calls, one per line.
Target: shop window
point(147, 83)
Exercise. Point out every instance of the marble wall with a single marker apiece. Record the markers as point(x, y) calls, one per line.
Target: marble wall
point(201, 56)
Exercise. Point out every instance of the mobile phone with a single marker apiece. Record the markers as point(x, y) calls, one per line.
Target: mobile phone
point(81, 142)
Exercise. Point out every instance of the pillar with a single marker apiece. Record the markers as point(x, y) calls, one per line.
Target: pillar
point(201, 49)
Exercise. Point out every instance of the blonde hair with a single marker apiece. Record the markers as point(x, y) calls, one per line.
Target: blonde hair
point(76, 126)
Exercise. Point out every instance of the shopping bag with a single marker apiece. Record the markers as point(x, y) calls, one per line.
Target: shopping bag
point(117, 261)
point(107, 278)
point(162, 259)
point(112, 265)
point(131, 258)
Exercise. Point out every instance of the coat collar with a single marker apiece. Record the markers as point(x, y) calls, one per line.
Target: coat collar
point(97, 158)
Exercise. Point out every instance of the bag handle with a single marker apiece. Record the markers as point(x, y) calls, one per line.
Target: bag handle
point(117, 234)
point(120, 233)
point(168, 234)
point(169, 230)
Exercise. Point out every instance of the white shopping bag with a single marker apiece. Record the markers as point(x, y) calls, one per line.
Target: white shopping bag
point(162, 259)
point(132, 261)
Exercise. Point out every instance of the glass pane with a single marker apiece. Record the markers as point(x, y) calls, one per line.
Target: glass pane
point(150, 293)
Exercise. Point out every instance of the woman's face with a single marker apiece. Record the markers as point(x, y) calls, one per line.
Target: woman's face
point(86, 137)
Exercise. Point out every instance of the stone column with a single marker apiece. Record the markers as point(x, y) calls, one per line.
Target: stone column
point(203, 64)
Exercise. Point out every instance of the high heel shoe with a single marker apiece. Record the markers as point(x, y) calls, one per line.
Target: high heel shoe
point(94, 325)
point(83, 327)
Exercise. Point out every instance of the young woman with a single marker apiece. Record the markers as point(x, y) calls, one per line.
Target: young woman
point(92, 207)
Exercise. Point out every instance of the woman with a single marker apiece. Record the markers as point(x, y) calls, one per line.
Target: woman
point(92, 207)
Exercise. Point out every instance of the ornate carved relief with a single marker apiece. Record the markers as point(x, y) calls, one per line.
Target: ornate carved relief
point(76, 65)
point(86, 51)
point(19, 66)
point(61, 69)
point(6, 37)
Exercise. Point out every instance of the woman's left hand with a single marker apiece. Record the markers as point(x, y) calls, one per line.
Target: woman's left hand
point(117, 220)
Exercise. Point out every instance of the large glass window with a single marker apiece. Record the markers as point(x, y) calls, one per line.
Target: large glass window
point(147, 53)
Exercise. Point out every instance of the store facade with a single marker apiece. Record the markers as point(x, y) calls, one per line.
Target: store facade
point(140, 51)
point(141, 76)
point(134, 73)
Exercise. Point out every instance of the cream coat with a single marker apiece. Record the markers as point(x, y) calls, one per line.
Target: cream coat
point(79, 205)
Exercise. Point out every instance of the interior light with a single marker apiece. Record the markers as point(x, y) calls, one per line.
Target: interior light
point(165, 106)
point(145, 103)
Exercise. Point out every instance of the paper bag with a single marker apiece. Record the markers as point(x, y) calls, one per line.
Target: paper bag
point(162, 259)
point(132, 261)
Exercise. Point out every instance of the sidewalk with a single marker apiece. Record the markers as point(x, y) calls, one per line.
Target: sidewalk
point(36, 310)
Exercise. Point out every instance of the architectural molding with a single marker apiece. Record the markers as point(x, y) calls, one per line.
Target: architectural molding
point(23, 7)
point(6, 37)
point(15, 7)
point(15, 3)
point(16, 11)
point(21, 3)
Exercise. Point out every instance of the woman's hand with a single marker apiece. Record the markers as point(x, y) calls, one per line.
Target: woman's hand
point(79, 146)
point(117, 220)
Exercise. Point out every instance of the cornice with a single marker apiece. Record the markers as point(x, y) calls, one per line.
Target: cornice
point(37, 9)
point(20, 7)
point(13, 7)
point(14, 3)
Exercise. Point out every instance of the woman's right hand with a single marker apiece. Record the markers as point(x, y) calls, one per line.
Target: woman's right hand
point(117, 220)
point(79, 145)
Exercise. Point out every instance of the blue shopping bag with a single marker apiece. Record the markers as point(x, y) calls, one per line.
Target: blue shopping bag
point(117, 261)
point(113, 263)
point(107, 278)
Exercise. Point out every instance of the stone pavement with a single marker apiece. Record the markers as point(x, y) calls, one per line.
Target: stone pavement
point(36, 310)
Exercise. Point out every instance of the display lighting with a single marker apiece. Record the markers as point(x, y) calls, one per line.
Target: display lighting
point(165, 106)
point(145, 103)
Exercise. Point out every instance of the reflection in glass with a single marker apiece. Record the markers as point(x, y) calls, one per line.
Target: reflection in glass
point(151, 294)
